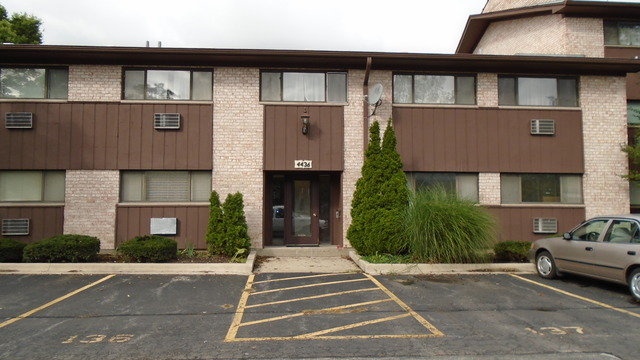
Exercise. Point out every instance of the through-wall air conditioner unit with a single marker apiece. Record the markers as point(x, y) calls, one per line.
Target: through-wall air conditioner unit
point(18, 120)
point(12, 227)
point(543, 127)
point(545, 225)
point(166, 121)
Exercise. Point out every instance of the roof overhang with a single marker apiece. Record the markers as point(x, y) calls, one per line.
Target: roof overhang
point(478, 24)
point(32, 55)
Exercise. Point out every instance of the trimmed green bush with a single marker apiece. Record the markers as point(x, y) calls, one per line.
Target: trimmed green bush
point(380, 198)
point(63, 248)
point(236, 231)
point(11, 250)
point(149, 248)
point(512, 251)
point(215, 227)
point(442, 228)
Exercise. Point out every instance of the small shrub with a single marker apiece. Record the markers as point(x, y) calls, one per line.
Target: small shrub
point(235, 227)
point(63, 248)
point(11, 250)
point(149, 248)
point(512, 251)
point(442, 228)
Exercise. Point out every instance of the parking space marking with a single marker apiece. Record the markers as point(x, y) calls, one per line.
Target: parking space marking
point(237, 324)
point(53, 302)
point(577, 296)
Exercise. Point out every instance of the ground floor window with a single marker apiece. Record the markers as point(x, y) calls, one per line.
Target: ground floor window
point(32, 186)
point(541, 188)
point(465, 185)
point(165, 186)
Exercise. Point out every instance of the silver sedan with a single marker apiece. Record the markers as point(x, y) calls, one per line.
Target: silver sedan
point(606, 248)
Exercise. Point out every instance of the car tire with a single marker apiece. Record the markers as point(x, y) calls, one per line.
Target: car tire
point(546, 266)
point(634, 283)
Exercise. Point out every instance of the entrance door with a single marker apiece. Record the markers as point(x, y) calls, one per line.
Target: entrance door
point(300, 207)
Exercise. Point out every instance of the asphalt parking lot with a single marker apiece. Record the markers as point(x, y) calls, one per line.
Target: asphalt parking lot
point(298, 316)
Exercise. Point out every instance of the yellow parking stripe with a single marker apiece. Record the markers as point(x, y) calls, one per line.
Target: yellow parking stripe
point(311, 297)
point(307, 286)
point(297, 278)
point(351, 326)
point(324, 334)
point(577, 296)
point(313, 312)
point(406, 308)
point(29, 313)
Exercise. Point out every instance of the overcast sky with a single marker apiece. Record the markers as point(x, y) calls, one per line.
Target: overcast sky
point(417, 26)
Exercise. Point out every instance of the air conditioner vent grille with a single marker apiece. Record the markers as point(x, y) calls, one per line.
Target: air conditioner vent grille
point(166, 121)
point(543, 127)
point(14, 227)
point(18, 120)
point(545, 225)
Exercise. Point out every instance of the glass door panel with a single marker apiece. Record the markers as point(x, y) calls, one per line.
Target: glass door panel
point(302, 212)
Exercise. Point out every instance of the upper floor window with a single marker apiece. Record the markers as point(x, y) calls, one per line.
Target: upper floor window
point(303, 86)
point(465, 185)
point(535, 91)
point(32, 186)
point(541, 188)
point(434, 89)
point(34, 83)
point(168, 85)
point(165, 186)
point(622, 33)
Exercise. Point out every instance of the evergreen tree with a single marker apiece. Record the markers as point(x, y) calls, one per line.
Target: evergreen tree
point(380, 198)
point(215, 227)
point(236, 233)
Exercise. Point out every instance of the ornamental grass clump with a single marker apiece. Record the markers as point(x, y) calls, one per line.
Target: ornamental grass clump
point(442, 228)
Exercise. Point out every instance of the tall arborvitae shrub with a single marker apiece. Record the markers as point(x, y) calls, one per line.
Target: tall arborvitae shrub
point(215, 227)
point(380, 198)
point(236, 236)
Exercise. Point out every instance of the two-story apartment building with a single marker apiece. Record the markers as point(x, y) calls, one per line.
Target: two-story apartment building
point(592, 29)
point(117, 142)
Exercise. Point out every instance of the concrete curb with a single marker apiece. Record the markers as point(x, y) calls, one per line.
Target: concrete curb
point(424, 269)
point(130, 268)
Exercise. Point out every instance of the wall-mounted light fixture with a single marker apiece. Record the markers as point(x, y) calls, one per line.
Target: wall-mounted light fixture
point(305, 124)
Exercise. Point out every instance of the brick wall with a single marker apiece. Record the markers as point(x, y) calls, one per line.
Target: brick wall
point(487, 90)
point(238, 142)
point(90, 204)
point(95, 83)
point(603, 101)
point(497, 5)
point(489, 189)
point(353, 144)
point(535, 35)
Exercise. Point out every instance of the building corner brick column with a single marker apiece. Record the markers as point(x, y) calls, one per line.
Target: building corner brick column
point(91, 197)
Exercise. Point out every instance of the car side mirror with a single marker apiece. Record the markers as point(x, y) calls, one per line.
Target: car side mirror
point(566, 236)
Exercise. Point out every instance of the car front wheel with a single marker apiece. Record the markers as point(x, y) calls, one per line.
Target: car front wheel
point(634, 284)
point(545, 265)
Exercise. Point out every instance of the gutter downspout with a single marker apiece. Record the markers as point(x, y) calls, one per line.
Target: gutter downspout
point(365, 105)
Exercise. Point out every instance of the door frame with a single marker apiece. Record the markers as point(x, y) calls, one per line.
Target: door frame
point(335, 206)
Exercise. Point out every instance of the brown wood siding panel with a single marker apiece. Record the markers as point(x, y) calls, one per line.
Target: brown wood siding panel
point(44, 221)
point(134, 221)
point(516, 224)
point(487, 140)
point(107, 136)
point(284, 142)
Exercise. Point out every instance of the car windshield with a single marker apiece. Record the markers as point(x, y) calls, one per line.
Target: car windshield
point(589, 231)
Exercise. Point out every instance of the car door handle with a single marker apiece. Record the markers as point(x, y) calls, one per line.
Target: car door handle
point(589, 248)
point(632, 253)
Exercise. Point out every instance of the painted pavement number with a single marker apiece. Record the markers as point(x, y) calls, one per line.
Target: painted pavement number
point(327, 306)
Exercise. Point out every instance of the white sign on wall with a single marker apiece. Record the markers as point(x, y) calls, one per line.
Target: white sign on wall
point(303, 164)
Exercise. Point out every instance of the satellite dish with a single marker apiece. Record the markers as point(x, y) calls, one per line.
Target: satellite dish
point(375, 95)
